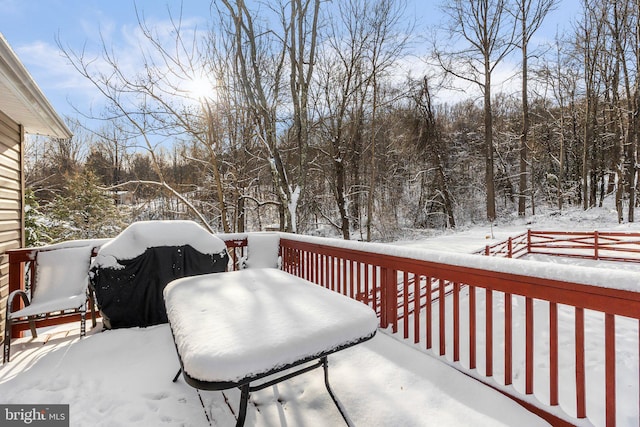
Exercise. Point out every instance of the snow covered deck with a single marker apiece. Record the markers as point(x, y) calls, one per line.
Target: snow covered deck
point(123, 378)
point(561, 339)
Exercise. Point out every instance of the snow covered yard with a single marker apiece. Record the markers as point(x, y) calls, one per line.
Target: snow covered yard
point(123, 378)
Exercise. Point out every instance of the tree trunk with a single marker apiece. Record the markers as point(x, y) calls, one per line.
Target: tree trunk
point(522, 188)
point(372, 179)
point(338, 164)
point(488, 137)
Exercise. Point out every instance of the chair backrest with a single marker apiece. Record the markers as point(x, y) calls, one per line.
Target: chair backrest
point(61, 273)
point(262, 250)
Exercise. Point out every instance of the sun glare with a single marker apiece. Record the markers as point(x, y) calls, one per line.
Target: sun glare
point(201, 88)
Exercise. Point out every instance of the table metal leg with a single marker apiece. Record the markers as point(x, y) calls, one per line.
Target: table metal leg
point(325, 366)
point(177, 375)
point(244, 402)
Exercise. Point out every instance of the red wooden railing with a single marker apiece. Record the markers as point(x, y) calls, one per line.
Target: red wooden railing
point(596, 245)
point(464, 309)
point(388, 279)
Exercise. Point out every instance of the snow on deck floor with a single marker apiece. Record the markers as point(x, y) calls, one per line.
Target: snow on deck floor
point(123, 378)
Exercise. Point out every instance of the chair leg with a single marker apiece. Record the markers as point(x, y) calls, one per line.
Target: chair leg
point(6, 353)
point(83, 320)
point(32, 326)
point(91, 296)
point(93, 313)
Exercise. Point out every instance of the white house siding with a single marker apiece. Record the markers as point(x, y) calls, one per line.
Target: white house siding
point(11, 201)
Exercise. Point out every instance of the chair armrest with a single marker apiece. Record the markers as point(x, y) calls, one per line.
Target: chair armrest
point(22, 294)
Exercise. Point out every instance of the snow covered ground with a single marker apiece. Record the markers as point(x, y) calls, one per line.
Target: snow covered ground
point(123, 377)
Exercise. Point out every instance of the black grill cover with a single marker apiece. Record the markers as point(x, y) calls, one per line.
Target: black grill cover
point(132, 296)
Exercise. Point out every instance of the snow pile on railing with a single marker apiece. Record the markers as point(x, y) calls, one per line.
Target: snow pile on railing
point(623, 280)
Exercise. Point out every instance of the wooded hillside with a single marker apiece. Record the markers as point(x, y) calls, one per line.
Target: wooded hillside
point(299, 115)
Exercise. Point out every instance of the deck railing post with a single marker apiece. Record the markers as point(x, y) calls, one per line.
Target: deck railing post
point(510, 248)
point(384, 320)
point(16, 282)
point(392, 293)
point(595, 245)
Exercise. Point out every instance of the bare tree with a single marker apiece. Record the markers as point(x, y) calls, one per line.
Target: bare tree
point(559, 75)
point(430, 145)
point(530, 14)
point(362, 46)
point(388, 42)
point(590, 45)
point(261, 63)
point(622, 22)
point(487, 30)
point(154, 103)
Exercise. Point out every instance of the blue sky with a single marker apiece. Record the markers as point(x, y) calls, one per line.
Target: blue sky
point(31, 27)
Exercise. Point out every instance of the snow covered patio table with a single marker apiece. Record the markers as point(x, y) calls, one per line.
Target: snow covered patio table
point(232, 329)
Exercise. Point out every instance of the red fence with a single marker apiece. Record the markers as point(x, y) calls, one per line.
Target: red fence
point(596, 245)
point(401, 289)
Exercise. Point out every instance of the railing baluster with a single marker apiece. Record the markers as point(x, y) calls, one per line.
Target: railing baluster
point(405, 304)
point(338, 269)
point(332, 270)
point(472, 327)
point(366, 286)
point(323, 271)
point(384, 313)
point(441, 310)
point(417, 291)
point(456, 322)
point(342, 281)
point(429, 316)
point(307, 261)
point(553, 354)
point(580, 374)
point(352, 278)
point(488, 332)
point(610, 368)
point(358, 281)
point(392, 295)
point(529, 346)
point(508, 339)
point(287, 260)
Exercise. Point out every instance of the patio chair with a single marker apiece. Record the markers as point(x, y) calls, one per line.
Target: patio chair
point(262, 251)
point(59, 288)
